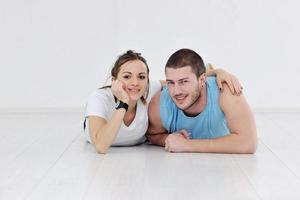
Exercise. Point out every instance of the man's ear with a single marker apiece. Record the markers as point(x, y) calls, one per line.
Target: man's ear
point(202, 79)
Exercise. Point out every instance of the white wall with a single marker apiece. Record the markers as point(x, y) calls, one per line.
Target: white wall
point(53, 54)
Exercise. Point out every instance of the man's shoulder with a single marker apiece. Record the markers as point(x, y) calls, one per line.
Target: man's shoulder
point(228, 100)
point(211, 82)
point(155, 100)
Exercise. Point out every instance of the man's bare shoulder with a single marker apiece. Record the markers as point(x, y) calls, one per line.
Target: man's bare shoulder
point(234, 106)
point(228, 99)
point(155, 124)
point(154, 102)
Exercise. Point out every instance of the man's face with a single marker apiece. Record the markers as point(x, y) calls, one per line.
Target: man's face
point(184, 87)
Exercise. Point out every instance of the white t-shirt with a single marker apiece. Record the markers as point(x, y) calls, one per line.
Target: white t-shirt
point(101, 103)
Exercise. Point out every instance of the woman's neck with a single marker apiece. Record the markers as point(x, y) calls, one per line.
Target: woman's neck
point(130, 114)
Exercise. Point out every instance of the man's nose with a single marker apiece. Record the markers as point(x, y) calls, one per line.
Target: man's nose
point(177, 89)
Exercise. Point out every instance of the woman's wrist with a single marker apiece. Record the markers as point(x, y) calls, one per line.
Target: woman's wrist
point(121, 105)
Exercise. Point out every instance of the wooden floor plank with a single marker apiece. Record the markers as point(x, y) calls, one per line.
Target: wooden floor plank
point(71, 175)
point(285, 146)
point(44, 156)
point(20, 176)
point(148, 172)
point(268, 175)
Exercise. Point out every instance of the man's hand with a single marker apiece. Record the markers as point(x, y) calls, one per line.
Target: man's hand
point(177, 142)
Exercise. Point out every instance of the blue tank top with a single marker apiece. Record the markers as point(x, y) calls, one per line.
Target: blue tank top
point(210, 123)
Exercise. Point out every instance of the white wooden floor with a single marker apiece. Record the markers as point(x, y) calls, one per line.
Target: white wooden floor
point(44, 156)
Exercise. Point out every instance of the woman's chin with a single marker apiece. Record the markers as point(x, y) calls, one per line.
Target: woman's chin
point(135, 97)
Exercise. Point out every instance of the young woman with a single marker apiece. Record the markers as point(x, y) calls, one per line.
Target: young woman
point(116, 115)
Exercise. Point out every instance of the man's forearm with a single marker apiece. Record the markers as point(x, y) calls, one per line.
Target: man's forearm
point(157, 139)
point(228, 144)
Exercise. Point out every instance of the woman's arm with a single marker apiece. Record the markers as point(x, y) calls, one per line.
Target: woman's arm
point(103, 132)
point(224, 77)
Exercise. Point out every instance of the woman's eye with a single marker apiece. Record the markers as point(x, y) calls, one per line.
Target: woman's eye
point(142, 77)
point(126, 77)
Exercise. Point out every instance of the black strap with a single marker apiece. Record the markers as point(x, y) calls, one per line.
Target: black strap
point(84, 124)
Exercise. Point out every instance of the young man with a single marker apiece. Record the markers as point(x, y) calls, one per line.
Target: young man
point(192, 115)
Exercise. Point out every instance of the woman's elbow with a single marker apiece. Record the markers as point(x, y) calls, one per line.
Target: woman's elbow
point(153, 139)
point(149, 137)
point(101, 149)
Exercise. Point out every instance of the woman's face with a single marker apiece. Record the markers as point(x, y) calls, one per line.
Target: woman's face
point(133, 74)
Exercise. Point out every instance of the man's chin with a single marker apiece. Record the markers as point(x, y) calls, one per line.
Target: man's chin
point(180, 106)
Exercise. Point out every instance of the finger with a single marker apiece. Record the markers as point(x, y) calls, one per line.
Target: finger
point(113, 82)
point(183, 133)
point(209, 66)
point(220, 84)
point(230, 85)
point(166, 145)
point(123, 85)
point(240, 87)
point(237, 86)
point(186, 135)
point(168, 148)
point(234, 87)
point(117, 84)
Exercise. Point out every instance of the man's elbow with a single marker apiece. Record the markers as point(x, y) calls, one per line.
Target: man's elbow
point(251, 148)
point(250, 145)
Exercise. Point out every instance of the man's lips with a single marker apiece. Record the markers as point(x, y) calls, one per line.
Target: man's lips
point(180, 98)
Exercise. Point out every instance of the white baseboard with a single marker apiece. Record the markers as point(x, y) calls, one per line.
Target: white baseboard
point(42, 110)
point(277, 110)
point(80, 110)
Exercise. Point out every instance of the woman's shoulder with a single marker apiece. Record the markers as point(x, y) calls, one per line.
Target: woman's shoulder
point(154, 87)
point(101, 93)
point(99, 103)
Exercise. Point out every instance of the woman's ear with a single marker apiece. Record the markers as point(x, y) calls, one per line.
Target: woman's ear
point(113, 78)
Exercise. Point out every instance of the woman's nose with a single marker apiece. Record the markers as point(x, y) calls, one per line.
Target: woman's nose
point(134, 81)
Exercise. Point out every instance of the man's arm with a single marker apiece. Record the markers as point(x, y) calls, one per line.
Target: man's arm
point(242, 137)
point(156, 133)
